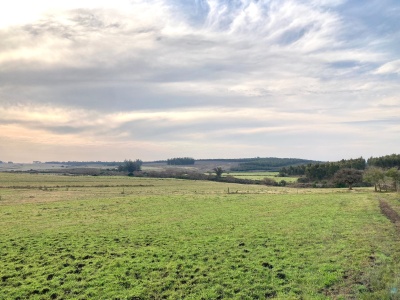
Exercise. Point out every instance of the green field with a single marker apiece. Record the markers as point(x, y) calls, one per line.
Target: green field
point(261, 176)
point(87, 237)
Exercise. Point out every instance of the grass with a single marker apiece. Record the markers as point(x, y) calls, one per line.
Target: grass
point(261, 176)
point(134, 238)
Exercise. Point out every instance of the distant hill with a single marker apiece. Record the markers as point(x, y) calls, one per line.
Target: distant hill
point(270, 163)
point(244, 164)
point(230, 164)
point(84, 163)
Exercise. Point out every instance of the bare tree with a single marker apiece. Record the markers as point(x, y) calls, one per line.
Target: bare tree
point(218, 172)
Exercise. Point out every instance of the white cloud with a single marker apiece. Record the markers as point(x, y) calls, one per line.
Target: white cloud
point(392, 67)
point(331, 3)
point(19, 12)
point(389, 101)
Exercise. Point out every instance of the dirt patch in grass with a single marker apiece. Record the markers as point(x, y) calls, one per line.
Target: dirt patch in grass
point(390, 213)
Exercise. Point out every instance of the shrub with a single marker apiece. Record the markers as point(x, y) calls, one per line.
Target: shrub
point(269, 181)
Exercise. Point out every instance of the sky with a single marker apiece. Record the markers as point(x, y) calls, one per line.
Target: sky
point(155, 79)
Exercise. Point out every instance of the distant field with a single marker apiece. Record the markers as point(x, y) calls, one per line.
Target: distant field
point(201, 166)
point(26, 167)
point(261, 176)
point(5, 167)
point(87, 237)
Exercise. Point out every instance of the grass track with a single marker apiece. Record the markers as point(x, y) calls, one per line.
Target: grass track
point(175, 239)
point(260, 176)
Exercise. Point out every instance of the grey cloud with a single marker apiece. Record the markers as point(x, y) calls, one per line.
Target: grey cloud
point(374, 123)
point(291, 36)
point(77, 129)
point(163, 129)
point(344, 64)
point(81, 22)
point(50, 27)
point(64, 129)
point(92, 20)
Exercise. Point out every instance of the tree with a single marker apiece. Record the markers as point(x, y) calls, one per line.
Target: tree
point(130, 166)
point(218, 172)
point(374, 176)
point(394, 174)
point(348, 177)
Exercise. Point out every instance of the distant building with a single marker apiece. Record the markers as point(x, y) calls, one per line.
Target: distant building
point(10, 162)
point(37, 162)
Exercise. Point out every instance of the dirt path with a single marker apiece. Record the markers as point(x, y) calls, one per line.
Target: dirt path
point(391, 214)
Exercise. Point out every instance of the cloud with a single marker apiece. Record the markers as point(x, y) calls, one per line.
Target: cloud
point(392, 67)
point(174, 72)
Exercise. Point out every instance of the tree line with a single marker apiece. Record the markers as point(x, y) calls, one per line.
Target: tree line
point(386, 162)
point(381, 172)
point(322, 171)
point(270, 164)
point(179, 161)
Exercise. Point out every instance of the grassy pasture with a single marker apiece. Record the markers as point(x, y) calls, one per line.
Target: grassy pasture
point(260, 176)
point(67, 237)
